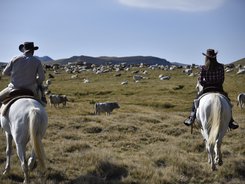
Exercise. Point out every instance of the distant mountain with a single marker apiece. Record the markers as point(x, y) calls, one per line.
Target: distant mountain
point(149, 60)
point(240, 61)
point(44, 58)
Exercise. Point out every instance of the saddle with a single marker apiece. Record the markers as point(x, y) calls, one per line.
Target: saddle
point(17, 93)
point(13, 96)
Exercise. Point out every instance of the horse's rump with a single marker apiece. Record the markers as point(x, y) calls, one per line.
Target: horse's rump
point(213, 109)
point(197, 101)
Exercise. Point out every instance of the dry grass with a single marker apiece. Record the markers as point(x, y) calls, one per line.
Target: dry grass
point(143, 142)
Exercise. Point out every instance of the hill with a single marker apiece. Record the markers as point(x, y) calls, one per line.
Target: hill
point(149, 60)
point(44, 58)
point(240, 61)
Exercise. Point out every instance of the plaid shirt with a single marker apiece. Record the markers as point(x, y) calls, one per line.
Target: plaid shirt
point(212, 78)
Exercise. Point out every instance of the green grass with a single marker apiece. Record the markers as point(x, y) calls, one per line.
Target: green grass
point(143, 142)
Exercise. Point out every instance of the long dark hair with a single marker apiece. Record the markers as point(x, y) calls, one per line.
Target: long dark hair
point(211, 63)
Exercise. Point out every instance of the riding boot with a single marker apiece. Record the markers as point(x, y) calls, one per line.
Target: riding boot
point(190, 120)
point(233, 124)
point(43, 97)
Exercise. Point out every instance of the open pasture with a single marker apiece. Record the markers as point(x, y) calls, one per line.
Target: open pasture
point(143, 142)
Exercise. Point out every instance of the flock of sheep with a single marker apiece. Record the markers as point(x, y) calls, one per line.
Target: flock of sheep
point(74, 69)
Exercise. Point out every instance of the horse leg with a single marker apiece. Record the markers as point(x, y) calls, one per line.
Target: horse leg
point(209, 158)
point(210, 151)
point(218, 155)
point(32, 161)
point(22, 156)
point(204, 133)
point(207, 149)
point(8, 152)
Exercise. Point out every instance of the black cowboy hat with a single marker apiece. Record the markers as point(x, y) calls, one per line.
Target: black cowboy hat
point(210, 53)
point(27, 46)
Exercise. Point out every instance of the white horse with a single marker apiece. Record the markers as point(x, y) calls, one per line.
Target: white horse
point(241, 100)
point(25, 120)
point(213, 115)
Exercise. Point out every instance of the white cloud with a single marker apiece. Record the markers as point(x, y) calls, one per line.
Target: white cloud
point(182, 5)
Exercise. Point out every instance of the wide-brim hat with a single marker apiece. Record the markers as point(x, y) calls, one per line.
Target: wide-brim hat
point(27, 46)
point(210, 53)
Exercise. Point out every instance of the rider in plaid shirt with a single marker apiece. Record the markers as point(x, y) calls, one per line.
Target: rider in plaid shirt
point(211, 78)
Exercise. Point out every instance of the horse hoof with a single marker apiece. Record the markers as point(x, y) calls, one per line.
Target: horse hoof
point(220, 162)
point(6, 172)
point(214, 168)
point(26, 182)
point(32, 164)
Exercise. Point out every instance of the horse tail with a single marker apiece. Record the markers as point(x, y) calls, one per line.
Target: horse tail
point(215, 121)
point(239, 100)
point(35, 135)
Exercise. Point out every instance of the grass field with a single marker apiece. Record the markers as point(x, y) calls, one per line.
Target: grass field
point(143, 142)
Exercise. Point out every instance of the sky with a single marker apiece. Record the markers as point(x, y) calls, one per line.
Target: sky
point(175, 30)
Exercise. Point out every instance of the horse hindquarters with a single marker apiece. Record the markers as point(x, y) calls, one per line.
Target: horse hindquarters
point(241, 100)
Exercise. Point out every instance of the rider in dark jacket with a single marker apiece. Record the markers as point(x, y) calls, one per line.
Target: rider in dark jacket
point(211, 78)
